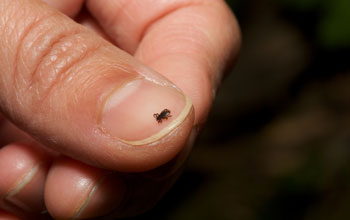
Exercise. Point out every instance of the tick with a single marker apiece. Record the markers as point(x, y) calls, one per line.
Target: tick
point(165, 114)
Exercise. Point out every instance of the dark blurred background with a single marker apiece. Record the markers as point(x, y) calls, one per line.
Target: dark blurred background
point(277, 143)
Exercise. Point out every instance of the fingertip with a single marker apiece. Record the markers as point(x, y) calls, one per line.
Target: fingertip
point(75, 190)
point(108, 194)
point(25, 169)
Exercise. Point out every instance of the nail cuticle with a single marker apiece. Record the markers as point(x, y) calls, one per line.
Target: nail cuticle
point(105, 98)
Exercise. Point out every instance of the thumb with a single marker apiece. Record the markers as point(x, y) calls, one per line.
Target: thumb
point(82, 96)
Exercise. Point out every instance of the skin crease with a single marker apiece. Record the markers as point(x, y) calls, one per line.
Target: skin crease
point(199, 56)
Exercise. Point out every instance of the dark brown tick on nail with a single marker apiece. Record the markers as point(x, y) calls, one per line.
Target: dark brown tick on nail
point(165, 114)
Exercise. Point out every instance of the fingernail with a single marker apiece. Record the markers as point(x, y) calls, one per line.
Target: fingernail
point(104, 196)
point(12, 197)
point(141, 111)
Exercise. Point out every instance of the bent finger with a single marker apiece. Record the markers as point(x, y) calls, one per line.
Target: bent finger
point(78, 191)
point(23, 170)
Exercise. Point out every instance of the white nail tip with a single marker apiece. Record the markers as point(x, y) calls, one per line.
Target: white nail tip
point(88, 199)
point(24, 181)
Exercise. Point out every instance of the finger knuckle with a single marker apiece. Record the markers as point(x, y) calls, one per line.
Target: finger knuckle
point(49, 56)
point(61, 63)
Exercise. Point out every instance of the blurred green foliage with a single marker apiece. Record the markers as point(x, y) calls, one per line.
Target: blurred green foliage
point(303, 4)
point(332, 27)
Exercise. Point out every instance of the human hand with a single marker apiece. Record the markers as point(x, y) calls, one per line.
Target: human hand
point(79, 96)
